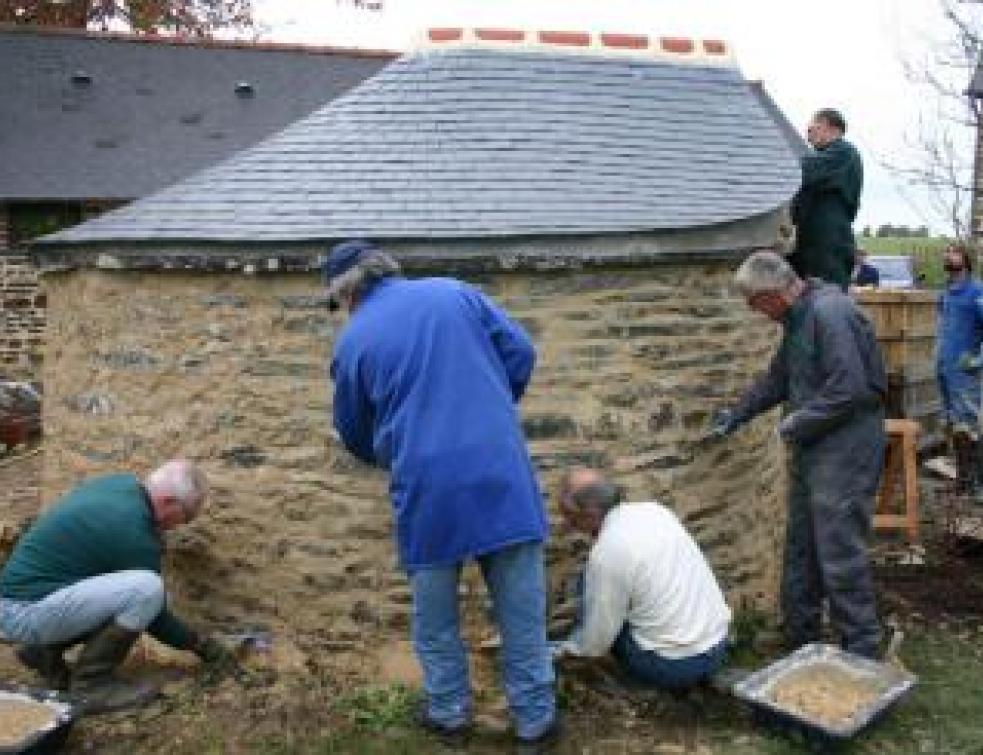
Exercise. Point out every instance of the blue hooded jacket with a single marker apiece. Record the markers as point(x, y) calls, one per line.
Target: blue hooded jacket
point(960, 333)
point(427, 378)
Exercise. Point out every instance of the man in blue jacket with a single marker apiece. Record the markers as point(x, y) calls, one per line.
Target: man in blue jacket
point(958, 359)
point(427, 377)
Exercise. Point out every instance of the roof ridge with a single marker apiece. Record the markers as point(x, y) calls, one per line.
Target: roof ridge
point(184, 41)
point(644, 46)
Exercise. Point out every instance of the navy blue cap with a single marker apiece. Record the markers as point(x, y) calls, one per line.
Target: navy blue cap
point(344, 256)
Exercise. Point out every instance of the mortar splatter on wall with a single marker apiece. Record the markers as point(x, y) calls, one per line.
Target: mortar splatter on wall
point(603, 195)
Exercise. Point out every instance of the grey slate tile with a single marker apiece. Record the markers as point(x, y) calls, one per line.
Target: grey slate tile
point(474, 142)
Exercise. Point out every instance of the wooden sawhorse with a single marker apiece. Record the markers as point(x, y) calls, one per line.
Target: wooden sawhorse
point(900, 465)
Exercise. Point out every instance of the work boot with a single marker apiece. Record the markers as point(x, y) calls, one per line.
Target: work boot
point(546, 742)
point(48, 661)
point(94, 686)
point(963, 447)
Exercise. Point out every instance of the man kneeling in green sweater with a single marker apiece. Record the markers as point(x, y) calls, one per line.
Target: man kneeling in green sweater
point(89, 570)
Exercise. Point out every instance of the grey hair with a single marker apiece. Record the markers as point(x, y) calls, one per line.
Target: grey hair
point(601, 495)
point(364, 274)
point(764, 273)
point(181, 479)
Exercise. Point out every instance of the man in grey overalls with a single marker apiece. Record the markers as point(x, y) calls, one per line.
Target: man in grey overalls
point(829, 373)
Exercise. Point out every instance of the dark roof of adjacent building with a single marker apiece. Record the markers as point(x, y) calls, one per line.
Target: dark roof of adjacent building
point(88, 116)
point(470, 142)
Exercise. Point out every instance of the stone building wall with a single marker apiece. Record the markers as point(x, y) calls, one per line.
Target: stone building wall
point(22, 305)
point(229, 369)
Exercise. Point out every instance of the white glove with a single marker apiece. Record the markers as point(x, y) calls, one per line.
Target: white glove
point(560, 649)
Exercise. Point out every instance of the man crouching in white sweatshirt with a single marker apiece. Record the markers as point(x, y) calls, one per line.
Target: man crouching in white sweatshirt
point(648, 595)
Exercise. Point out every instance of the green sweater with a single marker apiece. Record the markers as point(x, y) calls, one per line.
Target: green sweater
point(823, 211)
point(104, 525)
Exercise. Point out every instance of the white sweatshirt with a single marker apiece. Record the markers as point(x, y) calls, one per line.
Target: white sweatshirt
point(645, 568)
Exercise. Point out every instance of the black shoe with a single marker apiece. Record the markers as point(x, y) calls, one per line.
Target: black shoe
point(425, 721)
point(545, 741)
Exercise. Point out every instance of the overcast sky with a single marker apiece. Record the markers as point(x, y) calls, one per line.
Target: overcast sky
point(837, 53)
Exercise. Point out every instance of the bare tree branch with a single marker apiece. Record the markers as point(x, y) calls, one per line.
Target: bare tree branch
point(940, 153)
point(190, 17)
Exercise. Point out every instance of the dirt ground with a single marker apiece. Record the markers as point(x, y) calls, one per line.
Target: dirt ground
point(301, 698)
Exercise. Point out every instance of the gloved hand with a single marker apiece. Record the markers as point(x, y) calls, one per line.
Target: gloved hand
point(213, 653)
point(786, 427)
point(970, 363)
point(724, 423)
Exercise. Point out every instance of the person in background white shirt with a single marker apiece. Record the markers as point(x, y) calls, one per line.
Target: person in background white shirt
point(649, 596)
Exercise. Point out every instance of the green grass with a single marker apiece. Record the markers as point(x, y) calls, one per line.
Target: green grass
point(943, 715)
point(375, 709)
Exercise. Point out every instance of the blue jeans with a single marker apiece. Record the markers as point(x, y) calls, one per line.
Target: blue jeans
point(516, 581)
point(132, 599)
point(668, 673)
point(647, 666)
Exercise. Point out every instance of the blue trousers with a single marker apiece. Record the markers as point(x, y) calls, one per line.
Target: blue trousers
point(516, 581)
point(649, 667)
point(132, 599)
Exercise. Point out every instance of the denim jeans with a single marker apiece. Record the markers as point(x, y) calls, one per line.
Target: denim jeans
point(668, 673)
point(516, 581)
point(132, 599)
point(647, 666)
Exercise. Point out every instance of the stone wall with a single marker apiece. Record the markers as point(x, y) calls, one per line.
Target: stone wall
point(22, 305)
point(230, 369)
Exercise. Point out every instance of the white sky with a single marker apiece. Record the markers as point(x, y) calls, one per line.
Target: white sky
point(835, 53)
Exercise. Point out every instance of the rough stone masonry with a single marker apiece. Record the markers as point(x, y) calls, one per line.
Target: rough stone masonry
point(230, 369)
point(21, 318)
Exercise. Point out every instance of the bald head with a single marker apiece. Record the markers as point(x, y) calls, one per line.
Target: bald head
point(586, 496)
point(576, 478)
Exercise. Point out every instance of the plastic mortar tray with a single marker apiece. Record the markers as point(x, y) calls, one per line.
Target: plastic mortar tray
point(793, 691)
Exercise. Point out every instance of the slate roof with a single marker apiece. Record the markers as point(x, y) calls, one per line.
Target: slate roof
point(792, 135)
point(468, 142)
point(154, 111)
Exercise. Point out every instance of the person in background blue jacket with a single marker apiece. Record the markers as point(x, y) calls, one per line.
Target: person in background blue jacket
point(958, 361)
point(864, 274)
point(427, 376)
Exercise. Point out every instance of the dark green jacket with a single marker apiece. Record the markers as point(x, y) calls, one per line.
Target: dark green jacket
point(104, 525)
point(823, 211)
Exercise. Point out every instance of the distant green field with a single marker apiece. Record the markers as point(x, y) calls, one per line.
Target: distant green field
point(927, 254)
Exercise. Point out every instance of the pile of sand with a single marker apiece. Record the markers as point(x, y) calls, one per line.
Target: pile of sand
point(20, 718)
point(825, 693)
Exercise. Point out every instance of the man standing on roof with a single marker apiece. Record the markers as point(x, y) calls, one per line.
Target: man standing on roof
point(427, 377)
point(826, 204)
point(829, 374)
